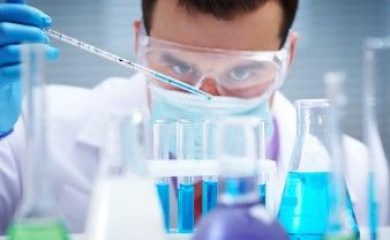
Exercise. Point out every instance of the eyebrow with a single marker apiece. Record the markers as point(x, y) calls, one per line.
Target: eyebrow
point(170, 58)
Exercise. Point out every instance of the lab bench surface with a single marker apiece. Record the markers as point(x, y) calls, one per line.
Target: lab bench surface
point(384, 234)
point(170, 237)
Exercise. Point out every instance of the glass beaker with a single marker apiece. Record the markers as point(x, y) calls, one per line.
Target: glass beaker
point(306, 199)
point(36, 218)
point(239, 213)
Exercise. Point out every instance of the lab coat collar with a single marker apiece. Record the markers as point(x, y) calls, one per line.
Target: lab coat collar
point(285, 116)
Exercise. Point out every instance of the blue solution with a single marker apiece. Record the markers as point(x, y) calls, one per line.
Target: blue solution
point(186, 216)
point(305, 206)
point(262, 192)
point(209, 195)
point(373, 216)
point(163, 195)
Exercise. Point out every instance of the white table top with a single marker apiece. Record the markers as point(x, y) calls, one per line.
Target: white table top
point(384, 234)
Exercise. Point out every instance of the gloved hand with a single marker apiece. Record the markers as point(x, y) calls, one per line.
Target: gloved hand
point(19, 24)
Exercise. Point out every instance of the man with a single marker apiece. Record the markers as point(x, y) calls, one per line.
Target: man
point(215, 45)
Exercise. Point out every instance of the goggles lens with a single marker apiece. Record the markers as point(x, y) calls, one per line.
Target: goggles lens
point(241, 74)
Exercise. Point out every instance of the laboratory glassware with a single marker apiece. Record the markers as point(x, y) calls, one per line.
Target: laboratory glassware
point(127, 63)
point(267, 173)
point(378, 209)
point(340, 223)
point(124, 203)
point(161, 133)
point(263, 177)
point(36, 218)
point(186, 134)
point(239, 213)
point(304, 208)
point(209, 152)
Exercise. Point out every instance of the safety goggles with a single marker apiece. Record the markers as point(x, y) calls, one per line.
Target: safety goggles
point(242, 74)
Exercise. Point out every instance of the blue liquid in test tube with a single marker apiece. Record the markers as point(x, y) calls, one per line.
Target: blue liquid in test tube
point(163, 194)
point(262, 192)
point(209, 195)
point(186, 208)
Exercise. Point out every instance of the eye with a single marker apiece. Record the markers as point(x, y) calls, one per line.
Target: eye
point(240, 74)
point(182, 69)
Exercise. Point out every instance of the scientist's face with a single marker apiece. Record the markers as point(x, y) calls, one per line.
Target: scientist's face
point(255, 31)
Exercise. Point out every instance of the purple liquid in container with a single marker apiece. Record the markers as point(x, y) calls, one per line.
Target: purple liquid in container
point(240, 217)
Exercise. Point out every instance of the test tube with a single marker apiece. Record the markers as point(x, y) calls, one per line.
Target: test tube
point(209, 183)
point(262, 159)
point(161, 153)
point(186, 188)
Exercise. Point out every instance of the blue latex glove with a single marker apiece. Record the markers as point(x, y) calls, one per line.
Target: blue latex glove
point(19, 24)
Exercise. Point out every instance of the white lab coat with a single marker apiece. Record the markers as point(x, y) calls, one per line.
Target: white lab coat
point(76, 138)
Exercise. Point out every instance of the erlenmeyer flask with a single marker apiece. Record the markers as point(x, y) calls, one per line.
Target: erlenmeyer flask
point(306, 199)
point(124, 203)
point(36, 218)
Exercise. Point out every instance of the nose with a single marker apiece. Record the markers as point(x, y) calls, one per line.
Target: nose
point(209, 85)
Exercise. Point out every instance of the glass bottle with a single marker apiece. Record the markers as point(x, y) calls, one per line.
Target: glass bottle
point(36, 218)
point(239, 213)
point(304, 208)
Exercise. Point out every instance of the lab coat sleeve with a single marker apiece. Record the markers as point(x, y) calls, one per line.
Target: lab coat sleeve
point(10, 180)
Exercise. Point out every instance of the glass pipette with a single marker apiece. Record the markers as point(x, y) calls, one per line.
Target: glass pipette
point(124, 62)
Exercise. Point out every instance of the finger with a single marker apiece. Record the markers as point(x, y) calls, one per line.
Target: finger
point(10, 73)
point(19, 13)
point(11, 33)
point(16, 1)
point(11, 54)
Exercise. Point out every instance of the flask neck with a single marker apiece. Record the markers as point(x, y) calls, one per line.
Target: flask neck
point(313, 125)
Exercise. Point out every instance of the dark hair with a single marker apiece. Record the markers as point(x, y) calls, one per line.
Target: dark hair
point(226, 9)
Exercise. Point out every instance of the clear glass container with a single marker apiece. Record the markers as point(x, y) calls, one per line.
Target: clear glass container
point(36, 218)
point(160, 143)
point(209, 152)
point(341, 224)
point(186, 150)
point(375, 67)
point(307, 195)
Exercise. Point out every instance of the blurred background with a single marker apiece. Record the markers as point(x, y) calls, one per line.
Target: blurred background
point(332, 34)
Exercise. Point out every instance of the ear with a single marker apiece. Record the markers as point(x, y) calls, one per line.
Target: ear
point(293, 41)
point(136, 33)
